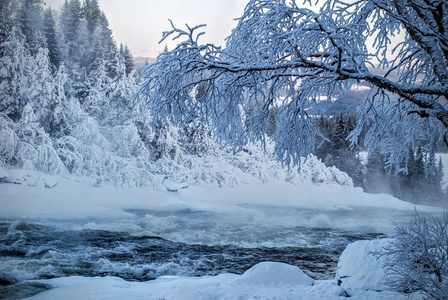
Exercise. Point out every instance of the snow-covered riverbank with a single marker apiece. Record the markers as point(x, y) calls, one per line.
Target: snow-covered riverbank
point(31, 195)
point(267, 280)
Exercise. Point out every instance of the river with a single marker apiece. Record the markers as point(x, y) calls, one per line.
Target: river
point(157, 243)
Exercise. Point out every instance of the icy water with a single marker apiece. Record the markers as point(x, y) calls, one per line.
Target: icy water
point(157, 243)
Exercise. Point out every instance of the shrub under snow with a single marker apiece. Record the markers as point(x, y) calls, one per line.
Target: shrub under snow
point(417, 259)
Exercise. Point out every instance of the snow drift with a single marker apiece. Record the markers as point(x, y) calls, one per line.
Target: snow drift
point(267, 280)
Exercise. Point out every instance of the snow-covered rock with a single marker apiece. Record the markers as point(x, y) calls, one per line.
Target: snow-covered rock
point(50, 181)
point(173, 186)
point(275, 273)
point(359, 269)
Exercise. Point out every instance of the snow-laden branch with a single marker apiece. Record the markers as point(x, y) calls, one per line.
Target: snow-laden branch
point(285, 57)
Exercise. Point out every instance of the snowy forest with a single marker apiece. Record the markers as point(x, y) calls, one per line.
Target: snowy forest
point(303, 160)
point(69, 106)
point(421, 184)
point(67, 94)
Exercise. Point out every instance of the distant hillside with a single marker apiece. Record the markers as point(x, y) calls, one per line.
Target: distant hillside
point(141, 61)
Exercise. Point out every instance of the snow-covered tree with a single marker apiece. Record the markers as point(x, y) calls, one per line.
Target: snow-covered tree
point(5, 21)
point(92, 14)
point(109, 49)
point(125, 53)
point(122, 107)
point(432, 179)
point(30, 22)
point(418, 257)
point(83, 46)
point(283, 52)
point(69, 20)
point(14, 72)
point(110, 100)
point(98, 86)
point(9, 140)
point(49, 31)
point(39, 88)
point(34, 148)
point(45, 93)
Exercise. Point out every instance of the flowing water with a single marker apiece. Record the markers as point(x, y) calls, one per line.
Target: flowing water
point(157, 243)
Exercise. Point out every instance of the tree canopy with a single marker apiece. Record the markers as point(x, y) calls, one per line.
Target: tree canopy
point(289, 56)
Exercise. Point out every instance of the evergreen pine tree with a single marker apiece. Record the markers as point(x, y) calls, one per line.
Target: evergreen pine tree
point(340, 153)
point(30, 23)
point(70, 18)
point(340, 149)
point(440, 181)
point(84, 48)
point(432, 180)
point(417, 177)
point(338, 139)
point(5, 22)
point(431, 167)
point(127, 58)
point(108, 48)
point(97, 100)
point(46, 96)
point(376, 176)
point(406, 188)
point(49, 31)
point(92, 14)
point(14, 70)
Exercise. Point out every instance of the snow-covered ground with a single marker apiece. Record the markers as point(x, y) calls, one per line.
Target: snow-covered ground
point(253, 214)
point(267, 280)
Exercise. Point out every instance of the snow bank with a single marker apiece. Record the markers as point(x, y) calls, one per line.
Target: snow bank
point(267, 280)
point(271, 273)
point(359, 269)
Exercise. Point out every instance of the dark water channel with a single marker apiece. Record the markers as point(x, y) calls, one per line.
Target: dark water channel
point(30, 251)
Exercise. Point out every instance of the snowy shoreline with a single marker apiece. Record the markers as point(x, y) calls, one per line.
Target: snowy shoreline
point(32, 195)
point(268, 280)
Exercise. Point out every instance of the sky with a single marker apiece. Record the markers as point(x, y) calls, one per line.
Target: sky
point(140, 23)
